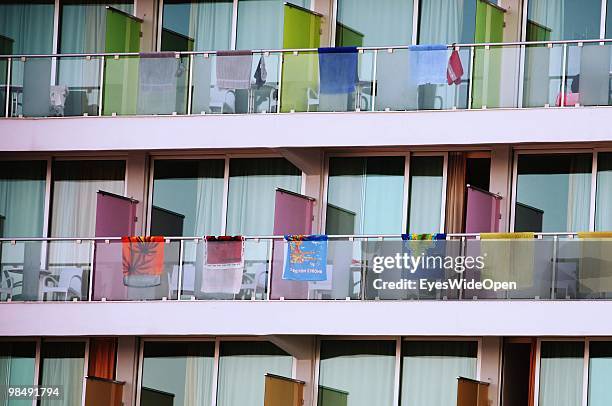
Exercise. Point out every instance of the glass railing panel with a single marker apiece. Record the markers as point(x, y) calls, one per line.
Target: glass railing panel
point(21, 270)
point(339, 279)
point(402, 83)
point(77, 89)
point(300, 82)
point(214, 270)
point(411, 270)
point(121, 84)
point(366, 80)
point(521, 269)
point(68, 268)
point(135, 270)
point(588, 74)
point(257, 93)
point(30, 91)
point(542, 76)
point(583, 269)
point(3, 85)
point(162, 83)
point(495, 77)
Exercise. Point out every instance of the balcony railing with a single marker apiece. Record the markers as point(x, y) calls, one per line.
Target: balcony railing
point(461, 267)
point(495, 75)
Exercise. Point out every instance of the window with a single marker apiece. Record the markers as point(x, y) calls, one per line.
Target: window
point(561, 369)
point(75, 185)
point(447, 22)
point(83, 24)
point(603, 202)
point(242, 369)
point(365, 195)
point(26, 27)
point(252, 187)
point(17, 366)
point(199, 25)
point(178, 371)
point(426, 194)
point(261, 23)
point(430, 370)
point(22, 198)
point(553, 193)
point(361, 371)
point(374, 23)
point(200, 185)
point(600, 370)
point(63, 364)
point(563, 20)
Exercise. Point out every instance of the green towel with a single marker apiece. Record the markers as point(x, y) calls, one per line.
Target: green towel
point(509, 257)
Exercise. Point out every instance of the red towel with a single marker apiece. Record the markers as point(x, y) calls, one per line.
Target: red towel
point(224, 250)
point(454, 71)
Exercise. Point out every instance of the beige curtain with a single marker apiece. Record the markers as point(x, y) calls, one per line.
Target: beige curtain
point(455, 193)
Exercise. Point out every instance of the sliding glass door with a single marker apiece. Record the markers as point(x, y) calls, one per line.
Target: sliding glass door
point(63, 364)
point(426, 194)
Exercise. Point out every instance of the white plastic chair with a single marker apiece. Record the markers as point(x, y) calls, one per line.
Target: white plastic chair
point(69, 284)
point(7, 283)
point(219, 98)
point(312, 97)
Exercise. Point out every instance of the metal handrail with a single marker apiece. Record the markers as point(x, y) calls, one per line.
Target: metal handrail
point(267, 237)
point(291, 50)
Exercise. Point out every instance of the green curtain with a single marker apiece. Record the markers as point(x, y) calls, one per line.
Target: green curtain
point(121, 75)
point(365, 370)
point(242, 369)
point(488, 62)
point(17, 365)
point(22, 198)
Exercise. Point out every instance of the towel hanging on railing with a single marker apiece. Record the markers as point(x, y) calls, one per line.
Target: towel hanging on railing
point(234, 69)
point(223, 264)
point(337, 70)
point(306, 258)
point(454, 71)
point(261, 74)
point(142, 260)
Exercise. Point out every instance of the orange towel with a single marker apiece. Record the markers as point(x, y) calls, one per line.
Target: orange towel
point(143, 256)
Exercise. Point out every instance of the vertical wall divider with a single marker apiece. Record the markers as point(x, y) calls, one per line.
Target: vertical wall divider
point(471, 76)
point(190, 85)
point(215, 374)
point(226, 172)
point(593, 200)
point(91, 270)
point(602, 23)
point(406, 196)
point(234, 33)
point(101, 91)
point(179, 283)
point(9, 72)
point(563, 75)
point(397, 386)
point(585, 373)
point(281, 65)
point(374, 81)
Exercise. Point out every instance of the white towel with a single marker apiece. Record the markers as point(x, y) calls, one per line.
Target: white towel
point(234, 69)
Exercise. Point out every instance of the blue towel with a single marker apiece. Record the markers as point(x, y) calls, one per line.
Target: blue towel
point(337, 70)
point(428, 64)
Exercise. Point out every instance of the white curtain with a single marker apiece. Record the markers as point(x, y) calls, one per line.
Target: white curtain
point(64, 366)
point(198, 381)
point(242, 370)
point(441, 21)
point(579, 194)
point(30, 25)
point(382, 22)
point(252, 187)
point(364, 369)
point(426, 194)
point(561, 369)
point(210, 24)
point(430, 371)
point(603, 203)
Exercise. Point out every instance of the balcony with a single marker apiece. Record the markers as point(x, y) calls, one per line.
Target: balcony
point(463, 267)
point(485, 76)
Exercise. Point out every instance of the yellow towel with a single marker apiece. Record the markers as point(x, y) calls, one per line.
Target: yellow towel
point(506, 236)
point(595, 272)
point(511, 261)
